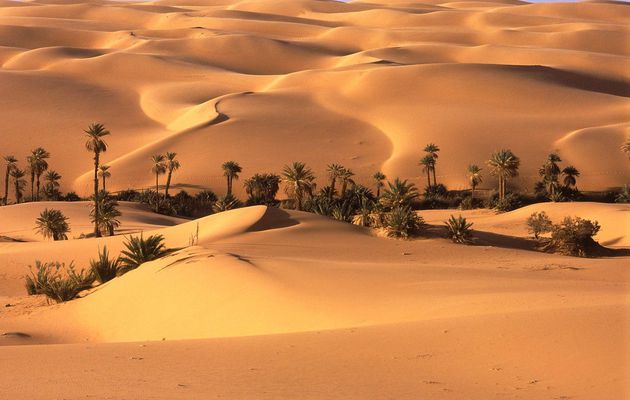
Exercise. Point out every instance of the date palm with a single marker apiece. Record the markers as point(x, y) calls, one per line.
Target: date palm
point(107, 213)
point(38, 165)
point(51, 187)
point(335, 171)
point(104, 174)
point(398, 194)
point(570, 174)
point(550, 171)
point(346, 178)
point(379, 181)
point(96, 144)
point(504, 165)
point(432, 150)
point(52, 224)
point(474, 178)
point(231, 169)
point(158, 168)
point(10, 164)
point(18, 182)
point(172, 164)
point(299, 181)
point(427, 162)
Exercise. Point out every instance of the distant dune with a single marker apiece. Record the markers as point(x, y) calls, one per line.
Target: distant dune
point(364, 84)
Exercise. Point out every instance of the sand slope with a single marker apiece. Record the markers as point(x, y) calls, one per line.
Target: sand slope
point(317, 290)
point(368, 84)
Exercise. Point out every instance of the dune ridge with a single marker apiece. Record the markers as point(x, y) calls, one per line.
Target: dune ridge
point(152, 71)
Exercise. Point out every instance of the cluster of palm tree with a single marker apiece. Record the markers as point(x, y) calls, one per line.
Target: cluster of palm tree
point(163, 164)
point(37, 167)
point(550, 173)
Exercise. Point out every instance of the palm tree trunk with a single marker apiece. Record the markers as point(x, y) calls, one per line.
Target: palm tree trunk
point(472, 192)
point(97, 232)
point(434, 180)
point(157, 193)
point(38, 186)
point(17, 192)
point(333, 182)
point(229, 186)
point(104, 183)
point(32, 184)
point(428, 177)
point(6, 187)
point(378, 192)
point(168, 182)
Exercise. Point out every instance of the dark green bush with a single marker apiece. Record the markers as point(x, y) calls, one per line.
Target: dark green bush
point(458, 229)
point(402, 222)
point(574, 236)
point(49, 280)
point(140, 250)
point(539, 223)
point(104, 269)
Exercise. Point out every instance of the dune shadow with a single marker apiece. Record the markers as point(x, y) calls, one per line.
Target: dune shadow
point(274, 218)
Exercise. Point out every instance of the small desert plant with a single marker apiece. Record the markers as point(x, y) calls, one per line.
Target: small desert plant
point(104, 269)
point(539, 223)
point(40, 276)
point(141, 250)
point(402, 222)
point(458, 229)
point(624, 195)
point(574, 236)
point(48, 279)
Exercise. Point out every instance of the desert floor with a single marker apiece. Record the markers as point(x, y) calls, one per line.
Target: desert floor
point(277, 304)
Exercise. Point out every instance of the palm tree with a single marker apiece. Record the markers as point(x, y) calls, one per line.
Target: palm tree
point(95, 143)
point(11, 163)
point(18, 180)
point(398, 194)
point(231, 169)
point(171, 165)
point(346, 178)
point(52, 224)
point(335, 171)
point(504, 165)
point(625, 147)
point(51, 188)
point(158, 168)
point(432, 150)
point(549, 171)
point(428, 163)
point(38, 165)
point(107, 214)
point(379, 179)
point(474, 177)
point(262, 188)
point(104, 174)
point(299, 180)
point(570, 174)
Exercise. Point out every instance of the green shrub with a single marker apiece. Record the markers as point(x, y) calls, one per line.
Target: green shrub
point(104, 269)
point(225, 203)
point(512, 201)
point(49, 280)
point(402, 222)
point(539, 223)
point(574, 236)
point(624, 195)
point(40, 276)
point(140, 250)
point(458, 229)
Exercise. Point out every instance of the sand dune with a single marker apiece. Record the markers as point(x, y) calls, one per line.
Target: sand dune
point(259, 271)
point(400, 71)
point(268, 303)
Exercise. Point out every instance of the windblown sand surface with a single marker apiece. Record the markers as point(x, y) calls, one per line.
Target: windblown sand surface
point(364, 84)
point(277, 304)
